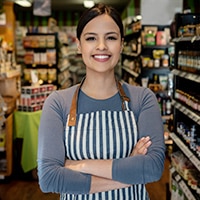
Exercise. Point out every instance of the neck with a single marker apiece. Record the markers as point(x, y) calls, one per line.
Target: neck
point(101, 88)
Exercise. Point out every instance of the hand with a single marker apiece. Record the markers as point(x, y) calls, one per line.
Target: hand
point(141, 147)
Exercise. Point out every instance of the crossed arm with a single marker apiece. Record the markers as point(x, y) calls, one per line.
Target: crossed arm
point(101, 170)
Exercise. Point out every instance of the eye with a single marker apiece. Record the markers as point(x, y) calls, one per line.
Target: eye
point(90, 39)
point(112, 38)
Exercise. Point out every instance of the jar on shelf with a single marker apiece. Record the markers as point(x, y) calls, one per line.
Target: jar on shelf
point(165, 60)
point(156, 63)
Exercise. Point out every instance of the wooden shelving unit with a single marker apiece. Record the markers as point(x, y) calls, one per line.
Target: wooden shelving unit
point(8, 147)
point(9, 89)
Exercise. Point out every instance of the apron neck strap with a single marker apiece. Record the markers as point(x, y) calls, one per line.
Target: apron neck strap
point(122, 94)
point(72, 113)
point(73, 109)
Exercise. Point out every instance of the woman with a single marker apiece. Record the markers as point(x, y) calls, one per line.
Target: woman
point(100, 139)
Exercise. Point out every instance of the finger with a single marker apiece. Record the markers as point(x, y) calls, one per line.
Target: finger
point(143, 142)
point(146, 139)
point(143, 149)
point(147, 144)
point(141, 146)
point(140, 143)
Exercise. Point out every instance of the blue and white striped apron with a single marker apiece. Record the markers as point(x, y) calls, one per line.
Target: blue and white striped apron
point(103, 135)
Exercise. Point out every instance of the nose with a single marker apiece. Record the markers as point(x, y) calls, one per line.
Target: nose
point(101, 44)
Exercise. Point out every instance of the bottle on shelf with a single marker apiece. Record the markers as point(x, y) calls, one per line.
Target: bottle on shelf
point(170, 85)
point(168, 106)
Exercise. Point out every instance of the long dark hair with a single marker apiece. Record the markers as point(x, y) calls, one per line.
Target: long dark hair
point(97, 10)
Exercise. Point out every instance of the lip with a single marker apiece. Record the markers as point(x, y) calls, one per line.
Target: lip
point(101, 57)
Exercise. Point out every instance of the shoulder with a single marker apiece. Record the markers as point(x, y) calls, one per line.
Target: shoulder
point(139, 96)
point(61, 99)
point(133, 91)
point(63, 93)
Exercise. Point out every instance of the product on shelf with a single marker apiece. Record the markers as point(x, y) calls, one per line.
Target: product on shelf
point(39, 41)
point(189, 134)
point(33, 97)
point(189, 61)
point(187, 170)
point(189, 98)
point(165, 104)
point(41, 56)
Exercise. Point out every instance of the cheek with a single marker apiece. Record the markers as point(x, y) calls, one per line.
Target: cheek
point(117, 50)
point(86, 56)
point(116, 47)
point(85, 49)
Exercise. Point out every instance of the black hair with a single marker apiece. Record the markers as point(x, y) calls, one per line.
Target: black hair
point(97, 10)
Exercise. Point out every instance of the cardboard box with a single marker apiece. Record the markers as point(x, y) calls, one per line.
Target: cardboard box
point(8, 87)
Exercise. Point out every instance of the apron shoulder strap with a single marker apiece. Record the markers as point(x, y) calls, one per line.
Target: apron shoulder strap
point(73, 109)
point(72, 113)
point(122, 94)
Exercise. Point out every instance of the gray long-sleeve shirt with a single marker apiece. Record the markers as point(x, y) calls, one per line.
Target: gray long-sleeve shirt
point(141, 169)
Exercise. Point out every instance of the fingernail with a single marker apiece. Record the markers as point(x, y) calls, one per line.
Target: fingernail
point(149, 142)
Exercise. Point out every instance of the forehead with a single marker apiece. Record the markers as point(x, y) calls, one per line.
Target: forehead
point(103, 23)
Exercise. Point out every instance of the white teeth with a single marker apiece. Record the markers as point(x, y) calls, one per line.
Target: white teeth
point(101, 56)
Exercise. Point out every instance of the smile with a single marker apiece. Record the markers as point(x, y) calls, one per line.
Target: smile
point(101, 57)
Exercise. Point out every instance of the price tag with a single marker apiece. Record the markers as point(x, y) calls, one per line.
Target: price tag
point(193, 39)
point(198, 190)
point(187, 152)
point(190, 76)
point(177, 178)
point(198, 79)
point(183, 74)
point(195, 161)
point(172, 170)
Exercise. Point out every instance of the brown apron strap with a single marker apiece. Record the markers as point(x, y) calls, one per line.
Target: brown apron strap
point(122, 94)
point(72, 114)
point(73, 109)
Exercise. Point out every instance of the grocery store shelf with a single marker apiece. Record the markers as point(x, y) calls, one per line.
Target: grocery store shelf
point(195, 161)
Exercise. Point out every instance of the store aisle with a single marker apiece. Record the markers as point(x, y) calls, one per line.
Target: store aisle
point(29, 189)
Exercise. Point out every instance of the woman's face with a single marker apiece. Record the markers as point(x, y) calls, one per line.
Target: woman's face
point(100, 44)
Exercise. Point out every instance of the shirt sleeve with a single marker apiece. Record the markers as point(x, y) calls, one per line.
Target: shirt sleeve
point(142, 169)
point(53, 177)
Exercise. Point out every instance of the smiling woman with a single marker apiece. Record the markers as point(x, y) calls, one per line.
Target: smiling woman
point(100, 46)
point(96, 139)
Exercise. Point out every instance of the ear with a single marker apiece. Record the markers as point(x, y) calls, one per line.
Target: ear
point(78, 46)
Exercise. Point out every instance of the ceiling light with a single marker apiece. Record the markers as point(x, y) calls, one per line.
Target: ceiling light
point(23, 3)
point(88, 3)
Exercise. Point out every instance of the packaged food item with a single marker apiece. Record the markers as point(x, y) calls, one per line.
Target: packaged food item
point(165, 60)
point(161, 38)
point(157, 63)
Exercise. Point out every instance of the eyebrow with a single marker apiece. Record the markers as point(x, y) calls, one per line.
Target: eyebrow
point(108, 33)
